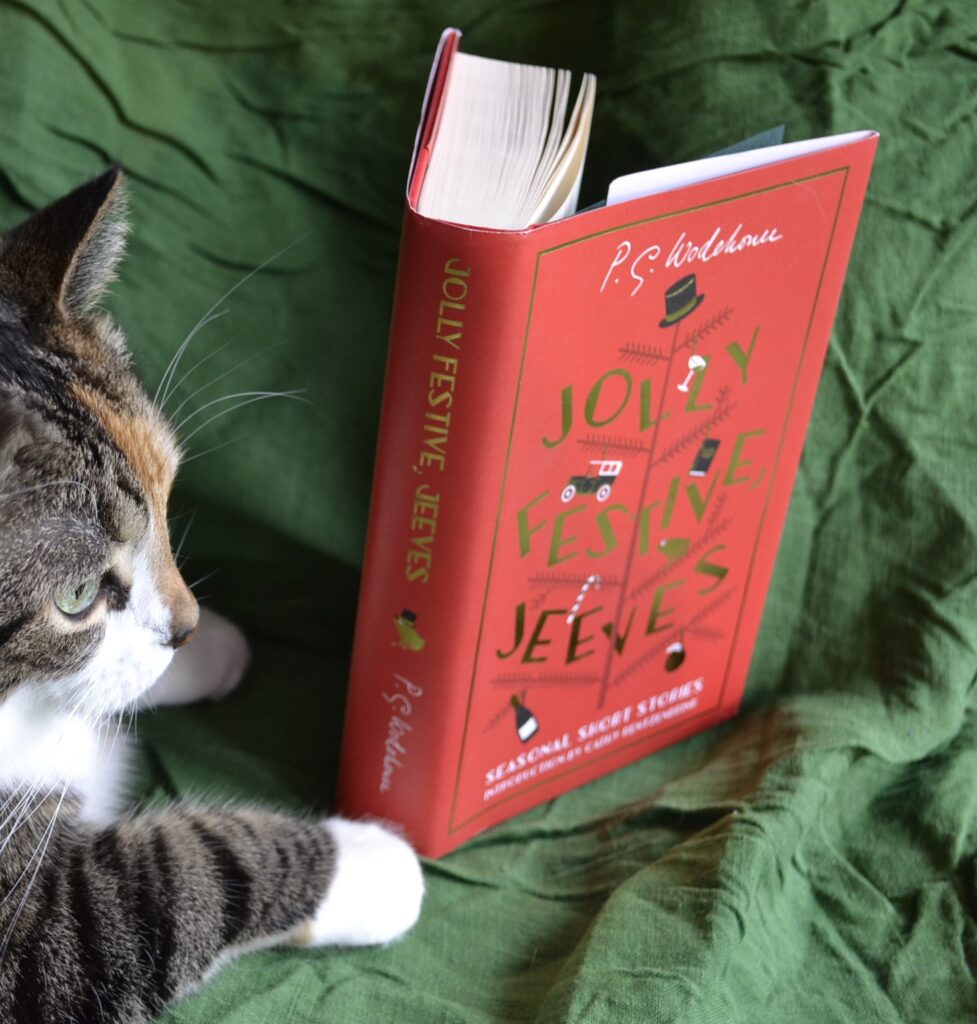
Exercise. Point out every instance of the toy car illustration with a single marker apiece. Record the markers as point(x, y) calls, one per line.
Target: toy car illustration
point(597, 482)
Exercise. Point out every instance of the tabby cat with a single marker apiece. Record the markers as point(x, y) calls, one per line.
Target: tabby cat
point(104, 916)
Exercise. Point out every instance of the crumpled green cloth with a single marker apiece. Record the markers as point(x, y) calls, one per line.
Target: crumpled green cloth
point(814, 860)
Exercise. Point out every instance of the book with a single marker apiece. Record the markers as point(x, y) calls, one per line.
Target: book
point(590, 429)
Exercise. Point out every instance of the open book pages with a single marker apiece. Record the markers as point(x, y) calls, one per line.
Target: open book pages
point(505, 153)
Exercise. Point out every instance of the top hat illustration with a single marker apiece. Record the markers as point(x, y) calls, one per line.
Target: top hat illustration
point(409, 616)
point(680, 300)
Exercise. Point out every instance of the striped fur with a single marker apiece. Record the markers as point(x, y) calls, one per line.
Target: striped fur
point(105, 919)
point(124, 919)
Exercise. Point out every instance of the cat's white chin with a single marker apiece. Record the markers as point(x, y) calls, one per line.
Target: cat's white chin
point(376, 892)
point(44, 748)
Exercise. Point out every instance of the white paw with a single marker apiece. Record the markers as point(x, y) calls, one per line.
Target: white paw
point(224, 652)
point(210, 666)
point(376, 892)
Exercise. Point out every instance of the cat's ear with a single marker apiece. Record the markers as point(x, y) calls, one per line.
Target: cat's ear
point(66, 254)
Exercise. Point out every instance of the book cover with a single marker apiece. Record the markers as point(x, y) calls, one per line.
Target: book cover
point(589, 435)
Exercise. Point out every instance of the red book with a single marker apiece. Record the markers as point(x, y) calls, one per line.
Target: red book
point(590, 432)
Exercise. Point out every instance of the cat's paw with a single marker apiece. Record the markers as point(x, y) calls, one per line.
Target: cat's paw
point(225, 654)
point(211, 666)
point(375, 895)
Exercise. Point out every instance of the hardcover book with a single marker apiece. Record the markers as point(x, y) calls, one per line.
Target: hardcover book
point(591, 426)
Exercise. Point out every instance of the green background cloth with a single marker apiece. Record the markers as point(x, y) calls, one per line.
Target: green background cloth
point(813, 860)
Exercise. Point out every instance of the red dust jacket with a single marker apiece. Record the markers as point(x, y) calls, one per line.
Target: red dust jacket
point(589, 435)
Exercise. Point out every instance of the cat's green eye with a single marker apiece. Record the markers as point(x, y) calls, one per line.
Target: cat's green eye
point(74, 601)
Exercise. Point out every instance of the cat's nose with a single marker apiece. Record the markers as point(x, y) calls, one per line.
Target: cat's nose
point(182, 605)
point(184, 617)
point(184, 636)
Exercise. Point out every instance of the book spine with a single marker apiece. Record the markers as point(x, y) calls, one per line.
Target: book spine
point(452, 369)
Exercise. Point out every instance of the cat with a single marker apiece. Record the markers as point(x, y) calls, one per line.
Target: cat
point(108, 916)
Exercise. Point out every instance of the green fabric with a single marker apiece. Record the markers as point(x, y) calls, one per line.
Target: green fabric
point(813, 860)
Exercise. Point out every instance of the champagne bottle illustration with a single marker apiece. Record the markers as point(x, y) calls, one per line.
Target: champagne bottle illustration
point(676, 655)
point(526, 724)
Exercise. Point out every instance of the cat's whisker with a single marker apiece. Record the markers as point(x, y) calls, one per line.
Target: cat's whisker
point(14, 794)
point(120, 720)
point(244, 362)
point(257, 396)
point(235, 395)
point(16, 883)
point(23, 819)
point(16, 811)
point(200, 362)
point(183, 536)
point(118, 729)
point(171, 369)
point(164, 383)
point(214, 448)
point(203, 579)
point(39, 853)
point(23, 802)
point(88, 704)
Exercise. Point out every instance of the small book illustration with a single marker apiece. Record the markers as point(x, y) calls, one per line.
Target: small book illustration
point(703, 459)
point(591, 426)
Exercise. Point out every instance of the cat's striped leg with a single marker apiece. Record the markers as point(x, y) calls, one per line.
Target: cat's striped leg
point(129, 918)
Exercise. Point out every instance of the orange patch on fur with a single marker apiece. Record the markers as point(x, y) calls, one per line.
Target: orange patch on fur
point(139, 441)
point(85, 342)
point(154, 463)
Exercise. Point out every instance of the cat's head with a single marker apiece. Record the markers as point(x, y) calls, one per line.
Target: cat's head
point(92, 604)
